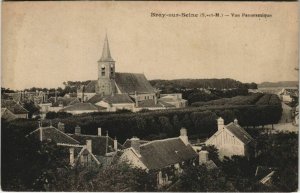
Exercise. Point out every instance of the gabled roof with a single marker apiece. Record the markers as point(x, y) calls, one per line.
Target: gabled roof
point(161, 153)
point(13, 107)
point(65, 101)
point(98, 143)
point(239, 132)
point(96, 98)
point(127, 143)
point(131, 82)
point(117, 99)
point(53, 134)
point(82, 107)
point(151, 103)
point(90, 87)
point(7, 115)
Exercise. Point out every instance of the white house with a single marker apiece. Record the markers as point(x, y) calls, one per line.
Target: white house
point(230, 139)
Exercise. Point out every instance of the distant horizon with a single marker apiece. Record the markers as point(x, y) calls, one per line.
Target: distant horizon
point(150, 80)
point(46, 48)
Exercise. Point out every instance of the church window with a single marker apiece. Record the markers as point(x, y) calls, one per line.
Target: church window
point(102, 70)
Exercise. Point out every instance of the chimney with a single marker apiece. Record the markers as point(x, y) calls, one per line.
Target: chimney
point(135, 144)
point(155, 99)
point(72, 157)
point(203, 157)
point(115, 144)
point(99, 131)
point(89, 145)
point(61, 127)
point(41, 131)
point(55, 98)
point(77, 130)
point(220, 123)
point(136, 99)
point(183, 136)
point(235, 121)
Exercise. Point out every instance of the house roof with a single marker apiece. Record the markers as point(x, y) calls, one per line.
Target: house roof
point(65, 101)
point(117, 98)
point(239, 132)
point(151, 103)
point(98, 143)
point(90, 87)
point(161, 153)
point(127, 143)
point(96, 98)
point(14, 107)
point(7, 115)
point(54, 135)
point(131, 83)
point(82, 107)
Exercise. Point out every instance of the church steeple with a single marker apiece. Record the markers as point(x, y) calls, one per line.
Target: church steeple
point(106, 57)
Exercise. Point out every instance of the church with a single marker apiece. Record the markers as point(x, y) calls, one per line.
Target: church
point(132, 91)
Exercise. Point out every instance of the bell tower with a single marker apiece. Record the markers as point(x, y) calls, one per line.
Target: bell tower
point(106, 71)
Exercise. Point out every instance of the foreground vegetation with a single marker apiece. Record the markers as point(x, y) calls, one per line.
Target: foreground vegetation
point(28, 165)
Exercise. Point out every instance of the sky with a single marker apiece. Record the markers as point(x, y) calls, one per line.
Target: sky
point(47, 43)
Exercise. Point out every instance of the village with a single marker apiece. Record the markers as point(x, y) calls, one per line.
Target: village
point(120, 118)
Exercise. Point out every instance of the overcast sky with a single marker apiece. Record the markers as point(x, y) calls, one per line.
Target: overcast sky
point(47, 43)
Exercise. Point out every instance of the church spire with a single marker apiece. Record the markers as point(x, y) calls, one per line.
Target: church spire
point(106, 57)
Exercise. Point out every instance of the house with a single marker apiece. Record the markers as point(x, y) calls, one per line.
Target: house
point(231, 139)
point(83, 149)
point(7, 115)
point(174, 99)
point(287, 95)
point(113, 102)
point(56, 135)
point(11, 110)
point(101, 144)
point(159, 154)
point(114, 90)
point(165, 156)
point(58, 103)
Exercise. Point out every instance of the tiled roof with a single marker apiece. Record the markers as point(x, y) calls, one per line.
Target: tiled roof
point(14, 96)
point(55, 135)
point(130, 82)
point(82, 107)
point(98, 143)
point(65, 101)
point(90, 87)
point(127, 143)
point(151, 103)
point(161, 153)
point(7, 115)
point(13, 107)
point(117, 98)
point(239, 132)
point(95, 99)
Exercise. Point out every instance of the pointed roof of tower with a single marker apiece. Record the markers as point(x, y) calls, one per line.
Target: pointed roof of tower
point(106, 57)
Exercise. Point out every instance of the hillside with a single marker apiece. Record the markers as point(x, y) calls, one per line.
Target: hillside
point(201, 83)
point(279, 84)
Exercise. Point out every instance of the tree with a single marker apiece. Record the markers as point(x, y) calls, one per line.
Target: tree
point(114, 178)
point(197, 178)
point(26, 163)
point(31, 108)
